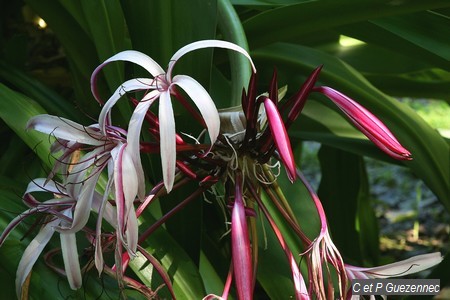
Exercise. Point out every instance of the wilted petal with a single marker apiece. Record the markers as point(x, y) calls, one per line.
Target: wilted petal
point(136, 57)
point(70, 257)
point(64, 129)
point(206, 44)
point(280, 137)
point(32, 253)
point(240, 247)
point(203, 102)
point(167, 140)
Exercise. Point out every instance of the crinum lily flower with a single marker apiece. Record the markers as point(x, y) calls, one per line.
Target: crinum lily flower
point(58, 215)
point(103, 150)
point(162, 86)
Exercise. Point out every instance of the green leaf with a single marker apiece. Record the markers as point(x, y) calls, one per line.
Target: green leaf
point(106, 25)
point(231, 28)
point(293, 21)
point(429, 149)
point(50, 100)
point(76, 42)
point(187, 282)
point(78, 46)
point(345, 196)
point(15, 110)
point(420, 36)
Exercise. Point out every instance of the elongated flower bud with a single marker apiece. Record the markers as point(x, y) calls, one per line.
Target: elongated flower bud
point(367, 123)
point(280, 137)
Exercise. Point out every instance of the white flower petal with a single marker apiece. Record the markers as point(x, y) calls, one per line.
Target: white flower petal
point(129, 179)
point(70, 257)
point(167, 139)
point(206, 44)
point(405, 267)
point(83, 206)
point(203, 102)
point(136, 57)
point(116, 154)
point(32, 253)
point(40, 185)
point(131, 232)
point(64, 129)
point(133, 137)
point(128, 86)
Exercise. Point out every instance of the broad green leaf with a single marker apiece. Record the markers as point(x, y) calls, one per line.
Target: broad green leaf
point(213, 283)
point(344, 194)
point(75, 8)
point(231, 29)
point(429, 149)
point(274, 272)
point(50, 100)
point(106, 25)
point(266, 2)
point(296, 20)
point(76, 42)
point(420, 36)
point(186, 279)
point(15, 110)
point(78, 46)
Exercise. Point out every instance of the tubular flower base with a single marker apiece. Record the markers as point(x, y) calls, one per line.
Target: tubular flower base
point(98, 172)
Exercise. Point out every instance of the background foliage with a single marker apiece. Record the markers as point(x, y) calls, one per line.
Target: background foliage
point(405, 53)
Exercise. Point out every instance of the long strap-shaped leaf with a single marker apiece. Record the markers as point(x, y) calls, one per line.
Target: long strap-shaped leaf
point(429, 150)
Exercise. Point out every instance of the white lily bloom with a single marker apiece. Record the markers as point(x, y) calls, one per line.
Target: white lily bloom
point(106, 149)
point(161, 86)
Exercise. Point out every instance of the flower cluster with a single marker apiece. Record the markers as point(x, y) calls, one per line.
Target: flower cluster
point(242, 156)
